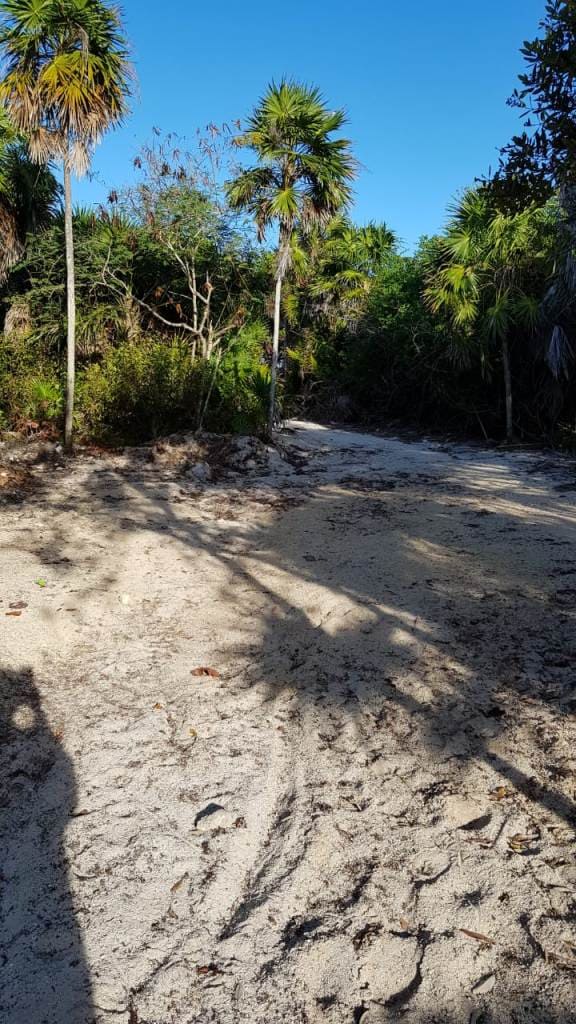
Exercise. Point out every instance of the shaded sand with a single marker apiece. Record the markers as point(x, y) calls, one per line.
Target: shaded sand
point(368, 814)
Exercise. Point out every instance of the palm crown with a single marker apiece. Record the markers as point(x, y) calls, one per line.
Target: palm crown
point(483, 264)
point(304, 174)
point(67, 74)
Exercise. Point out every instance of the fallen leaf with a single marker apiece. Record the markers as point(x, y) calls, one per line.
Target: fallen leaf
point(178, 885)
point(18, 605)
point(203, 671)
point(521, 843)
point(485, 985)
point(208, 969)
point(406, 926)
point(13, 615)
point(192, 732)
point(500, 793)
point(484, 939)
point(41, 583)
point(482, 841)
point(158, 707)
point(240, 823)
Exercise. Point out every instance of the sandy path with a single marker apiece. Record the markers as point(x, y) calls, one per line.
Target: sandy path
point(386, 763)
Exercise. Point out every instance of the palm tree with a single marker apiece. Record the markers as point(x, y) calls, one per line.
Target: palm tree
point(487, 272)
point(29, 200)
point(302, 179)
point(345, 263)
point(66, 83)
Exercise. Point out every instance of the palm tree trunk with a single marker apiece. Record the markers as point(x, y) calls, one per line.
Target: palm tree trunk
point(275, 350)
point(508, 391)
point(71, 307)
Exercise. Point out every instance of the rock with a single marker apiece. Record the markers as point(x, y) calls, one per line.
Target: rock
point(201, 471)
point(465, 812)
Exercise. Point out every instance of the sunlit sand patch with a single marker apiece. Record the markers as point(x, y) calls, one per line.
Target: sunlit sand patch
point(24, 718)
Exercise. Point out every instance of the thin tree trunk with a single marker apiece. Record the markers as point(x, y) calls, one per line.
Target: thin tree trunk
point(508, 391)
point(275, 350)
point(71, 307)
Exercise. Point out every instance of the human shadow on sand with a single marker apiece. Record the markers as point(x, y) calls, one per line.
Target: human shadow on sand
point(44, 978)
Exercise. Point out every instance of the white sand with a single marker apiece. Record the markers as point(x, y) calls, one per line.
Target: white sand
point(304, 838)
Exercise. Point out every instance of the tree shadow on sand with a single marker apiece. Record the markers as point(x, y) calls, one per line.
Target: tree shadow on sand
point(44, 977)
point(495, 637)
point(416, 656)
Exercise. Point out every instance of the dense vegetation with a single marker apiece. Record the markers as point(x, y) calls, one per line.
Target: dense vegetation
point(169, 295)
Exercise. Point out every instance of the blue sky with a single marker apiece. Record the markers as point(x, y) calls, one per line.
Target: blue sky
point(424, 82)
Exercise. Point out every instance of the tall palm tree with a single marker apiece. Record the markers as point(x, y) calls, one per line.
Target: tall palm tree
point(487, 274)
point(302, 179)
point(66, 83)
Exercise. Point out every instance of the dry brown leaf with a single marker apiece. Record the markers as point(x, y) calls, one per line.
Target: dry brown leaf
point(158, 707)
point(18, 605)
point(205, 671)
point(178, 885)
point(500, 793)
point(13, 615)
point(484, 939)
point(521, 843)
point(208, 969)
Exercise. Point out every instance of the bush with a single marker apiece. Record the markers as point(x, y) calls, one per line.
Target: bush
point(241, 388)
point(141, 391)
point(31, 388)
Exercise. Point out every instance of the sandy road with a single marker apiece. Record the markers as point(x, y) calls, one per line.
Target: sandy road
point(367, 815)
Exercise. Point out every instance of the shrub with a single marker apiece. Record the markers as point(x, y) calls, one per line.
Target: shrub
point(139, 391)
point(239, 400)
point(30, 384)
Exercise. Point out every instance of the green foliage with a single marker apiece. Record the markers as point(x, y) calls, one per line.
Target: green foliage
point(543, 156)
point(29, 197)
point(489, 268)
point(242, 384)
point(66, 74)
point(140, 391)
point(304, 174)
point(30, 384)
point(175, 298)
